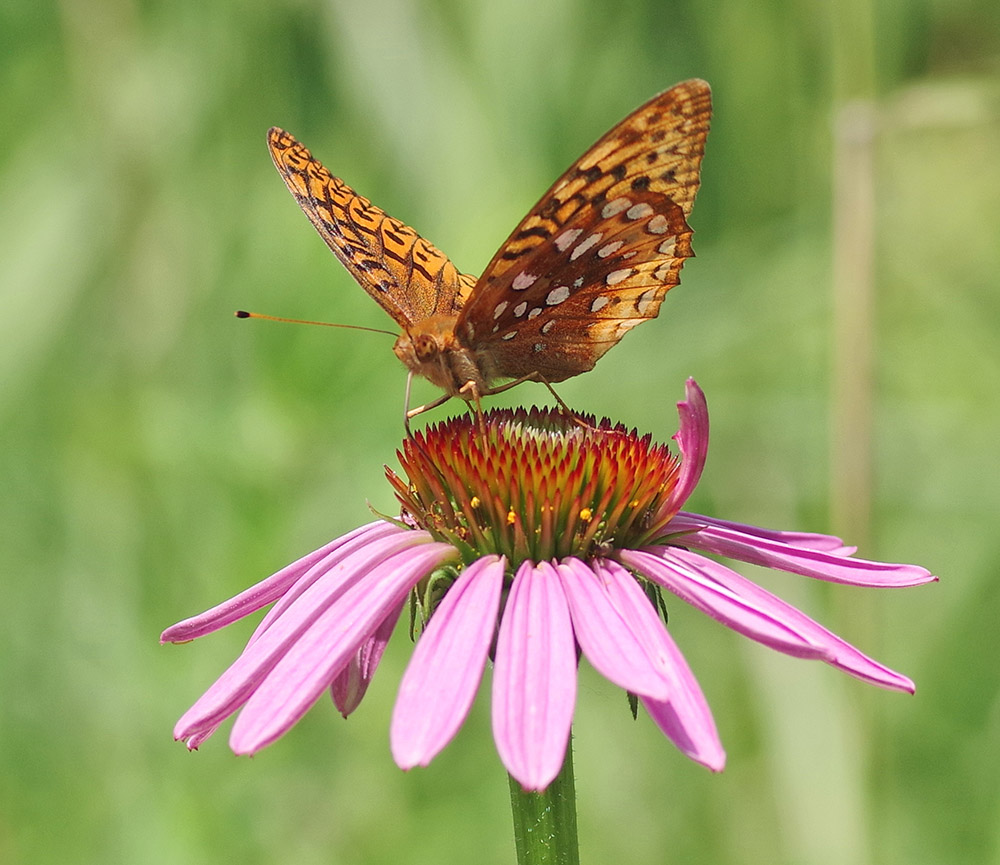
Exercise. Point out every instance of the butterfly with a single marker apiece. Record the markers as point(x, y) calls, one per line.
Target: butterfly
point(589, 262)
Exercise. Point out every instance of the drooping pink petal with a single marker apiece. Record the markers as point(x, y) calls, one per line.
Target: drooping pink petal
point(236, 684)
point(759, 550)
point(534, 677)
point(607, 638)
point(381, 531)
point(687, 522)
point(684, 716)
point(692, 440)
point(690, 582)
point(686, 719)
point(839, 653)
point(350, 686)
point(266, 591)
point(311, 663)
point(193, 742)
point(447, 665)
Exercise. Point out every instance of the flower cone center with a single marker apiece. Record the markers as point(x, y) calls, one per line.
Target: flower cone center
point(535, 485)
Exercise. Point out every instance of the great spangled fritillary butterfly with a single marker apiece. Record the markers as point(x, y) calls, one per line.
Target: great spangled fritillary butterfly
point(590, 261)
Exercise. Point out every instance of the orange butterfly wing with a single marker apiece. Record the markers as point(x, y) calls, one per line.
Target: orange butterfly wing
point(408, 277)
point(597, 254)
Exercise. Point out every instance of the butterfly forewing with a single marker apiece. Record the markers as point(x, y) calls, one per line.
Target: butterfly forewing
point(597, 254)
point(410, 278)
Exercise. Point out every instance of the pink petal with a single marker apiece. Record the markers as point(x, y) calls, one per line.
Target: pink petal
point(692, 440)
point(687, 522)
point(684, 720)
point(350, 686)
point(759, 550)
point(605, 636)
point(382, 532)
point(194, 741)
point(534, 677)
point(690, 581)
point(839, 653)
point(266, 591)
point(685, 716)
point(447, 665)
point(236, 684)
point(312, 662)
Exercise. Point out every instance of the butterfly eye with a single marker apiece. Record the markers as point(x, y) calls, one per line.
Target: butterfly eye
point(425, 346)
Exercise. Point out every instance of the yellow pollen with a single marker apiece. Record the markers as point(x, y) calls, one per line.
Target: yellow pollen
point(586, 514)
point(511, 517)
point(634, 503)
point(474, 501)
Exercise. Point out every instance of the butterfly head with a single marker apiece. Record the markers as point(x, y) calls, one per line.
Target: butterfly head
point(430, 348)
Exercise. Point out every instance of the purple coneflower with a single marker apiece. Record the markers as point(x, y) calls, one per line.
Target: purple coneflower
point(523, 543)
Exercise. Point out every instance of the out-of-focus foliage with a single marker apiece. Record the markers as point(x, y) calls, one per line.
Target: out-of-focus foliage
point(158, 455)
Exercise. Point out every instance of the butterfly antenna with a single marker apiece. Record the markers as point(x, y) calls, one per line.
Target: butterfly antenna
point(242, 313)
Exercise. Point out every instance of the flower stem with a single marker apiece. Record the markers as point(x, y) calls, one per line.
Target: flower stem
point(545, 823)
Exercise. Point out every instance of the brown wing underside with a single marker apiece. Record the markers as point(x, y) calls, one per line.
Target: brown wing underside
point(597, 254)
point(572, 315)
point(409, 278)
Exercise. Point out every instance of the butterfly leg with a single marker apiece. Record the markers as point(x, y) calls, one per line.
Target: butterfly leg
point(534, 376)
point(470, 392)
point(510, 384)
point(565, 409)
point(413, 412)
point(420, 409)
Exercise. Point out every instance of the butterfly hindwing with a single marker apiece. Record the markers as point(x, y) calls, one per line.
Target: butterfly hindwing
point(409, 277)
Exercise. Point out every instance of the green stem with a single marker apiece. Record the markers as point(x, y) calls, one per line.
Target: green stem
point(545, 823)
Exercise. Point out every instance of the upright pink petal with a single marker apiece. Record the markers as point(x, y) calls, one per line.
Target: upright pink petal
point(833, 567)
point(318, 655)
point(534, 678)
point(447, 665)
point(692, 440)
point(606, 637)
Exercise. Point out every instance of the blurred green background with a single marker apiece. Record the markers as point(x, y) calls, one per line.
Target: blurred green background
point(158, 456)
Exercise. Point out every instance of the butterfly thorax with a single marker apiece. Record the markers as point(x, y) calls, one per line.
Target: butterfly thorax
point(432, 349)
